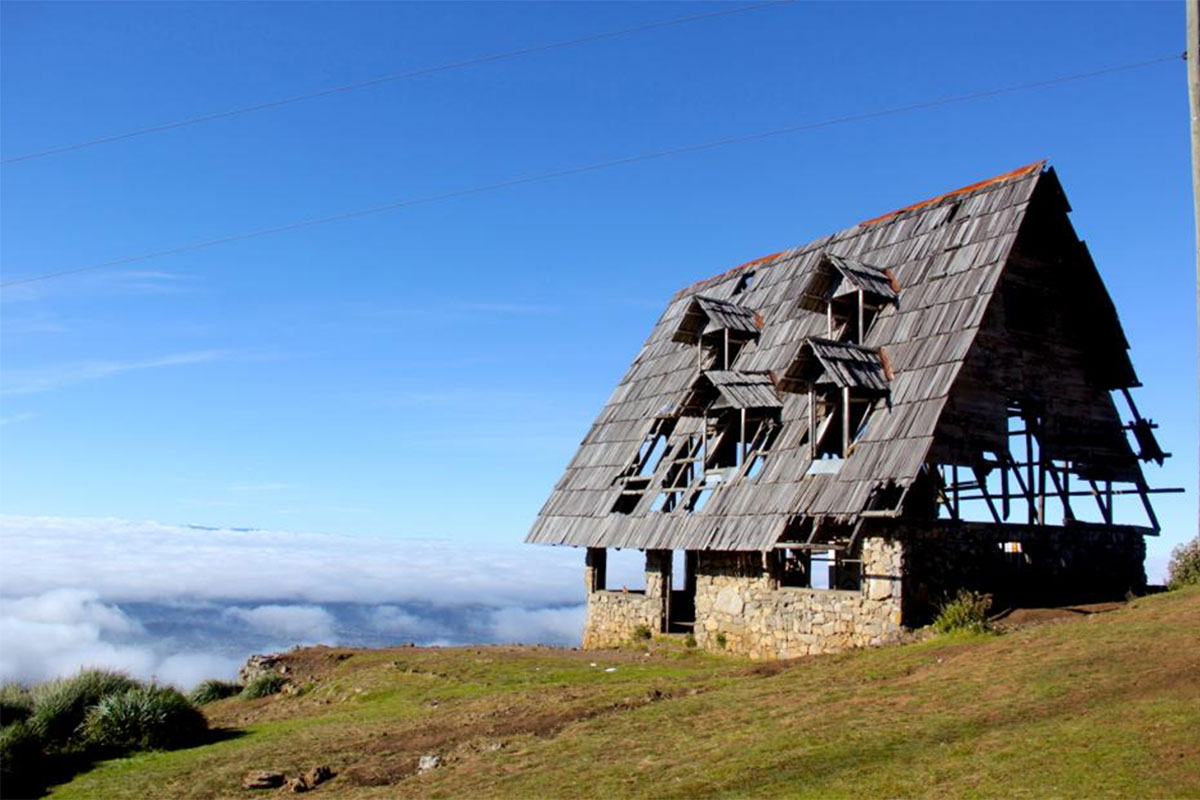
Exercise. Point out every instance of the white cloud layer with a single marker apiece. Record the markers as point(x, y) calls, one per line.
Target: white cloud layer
point(299, 624)
point(60, 632)
point(175, 603)
point(125, 561)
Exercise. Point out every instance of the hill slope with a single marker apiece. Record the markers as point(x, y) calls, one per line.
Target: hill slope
point(1107, 705)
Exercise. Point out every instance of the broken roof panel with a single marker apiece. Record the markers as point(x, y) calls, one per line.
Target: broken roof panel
point(744, 390)
point(728, 389)
point(823, 362)
point(871, 280)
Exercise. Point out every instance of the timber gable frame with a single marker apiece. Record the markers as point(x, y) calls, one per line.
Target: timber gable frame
point(958, 356)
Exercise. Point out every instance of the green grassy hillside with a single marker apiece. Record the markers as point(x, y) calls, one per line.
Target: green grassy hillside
point(1106, 705)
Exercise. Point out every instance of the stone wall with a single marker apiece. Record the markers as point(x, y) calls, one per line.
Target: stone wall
point(1056, 566)
point(613, 616)
point(906, 571)
point(740, 605)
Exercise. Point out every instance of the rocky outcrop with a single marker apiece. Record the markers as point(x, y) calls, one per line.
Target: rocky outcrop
point(261, 664)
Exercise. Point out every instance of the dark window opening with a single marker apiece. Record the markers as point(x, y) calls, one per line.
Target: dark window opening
point(719, 350)
point(635, 479)
point(885, 497)
point(837, 430)
point(850, 317)
point(794, 568)
point(733, 445)
point(818, 569)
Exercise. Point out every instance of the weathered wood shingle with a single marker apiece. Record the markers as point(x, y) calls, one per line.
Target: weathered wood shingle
point(946, 256)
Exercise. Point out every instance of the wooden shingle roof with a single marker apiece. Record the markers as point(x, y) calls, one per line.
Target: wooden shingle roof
point(947, 256)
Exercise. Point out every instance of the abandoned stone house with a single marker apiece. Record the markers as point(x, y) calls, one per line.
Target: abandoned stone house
point(815, 448)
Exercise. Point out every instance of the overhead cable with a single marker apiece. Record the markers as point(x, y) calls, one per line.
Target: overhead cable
point(398, 76)
point(563, 173)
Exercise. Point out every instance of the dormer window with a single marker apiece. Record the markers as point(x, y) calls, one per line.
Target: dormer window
point(843, 382)
point(719, 329)
point(739, 418)
point(850, 294)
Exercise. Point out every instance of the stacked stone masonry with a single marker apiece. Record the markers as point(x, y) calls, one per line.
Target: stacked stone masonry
point(740, 606)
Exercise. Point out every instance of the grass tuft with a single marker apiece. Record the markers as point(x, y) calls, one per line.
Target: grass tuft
point(59, 707)
point(143, 718)
point(966, 611)
point(263, 686)
point(213, 690)
point(16, 703)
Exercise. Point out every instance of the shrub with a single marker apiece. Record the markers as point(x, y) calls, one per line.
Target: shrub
point(20, 761)
point(1184, 567)
point(689, 641)
point(721, 640)
point(16, 703)
point(212, 690)
point(641, 631)
point(966, 611)
point(143, 718)
point(262, 686)
point(59, 707)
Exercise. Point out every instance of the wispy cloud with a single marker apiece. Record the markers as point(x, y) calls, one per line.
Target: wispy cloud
point(148, 281)
point(262, 488)
point(25, 325)
point(13, 419)
point(44, 379)
point(504, 309)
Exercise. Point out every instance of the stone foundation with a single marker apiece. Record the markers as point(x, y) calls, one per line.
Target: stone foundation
point(613, 617)
point(740, 605)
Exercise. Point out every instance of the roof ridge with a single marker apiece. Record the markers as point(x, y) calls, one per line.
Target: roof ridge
point(1019, 172)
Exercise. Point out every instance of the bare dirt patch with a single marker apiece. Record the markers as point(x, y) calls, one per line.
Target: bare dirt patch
point(1021, 617)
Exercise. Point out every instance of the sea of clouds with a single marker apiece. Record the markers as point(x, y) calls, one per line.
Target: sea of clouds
point(179, 603)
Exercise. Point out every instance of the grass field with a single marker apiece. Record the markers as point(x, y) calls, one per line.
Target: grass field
point(1105, 705)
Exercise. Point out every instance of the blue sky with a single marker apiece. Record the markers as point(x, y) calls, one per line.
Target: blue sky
point(429, 372)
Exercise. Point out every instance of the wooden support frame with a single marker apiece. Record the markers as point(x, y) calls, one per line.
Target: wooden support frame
point(1036, 477)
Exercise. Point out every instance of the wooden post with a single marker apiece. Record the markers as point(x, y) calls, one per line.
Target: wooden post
point(1004, 484)
point(1033, 517)
point(596, 569)
point(861, 332)
point(954, 488)
point(726, 359)
point(829, 320)
point(845, 421)
point(742, 440)
point(812, 423)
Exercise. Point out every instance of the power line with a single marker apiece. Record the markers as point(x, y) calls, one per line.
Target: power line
point(399, 76)
point(563, 173)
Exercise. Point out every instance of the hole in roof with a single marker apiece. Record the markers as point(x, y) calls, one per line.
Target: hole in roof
point(953, 213)
point(744, 282)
